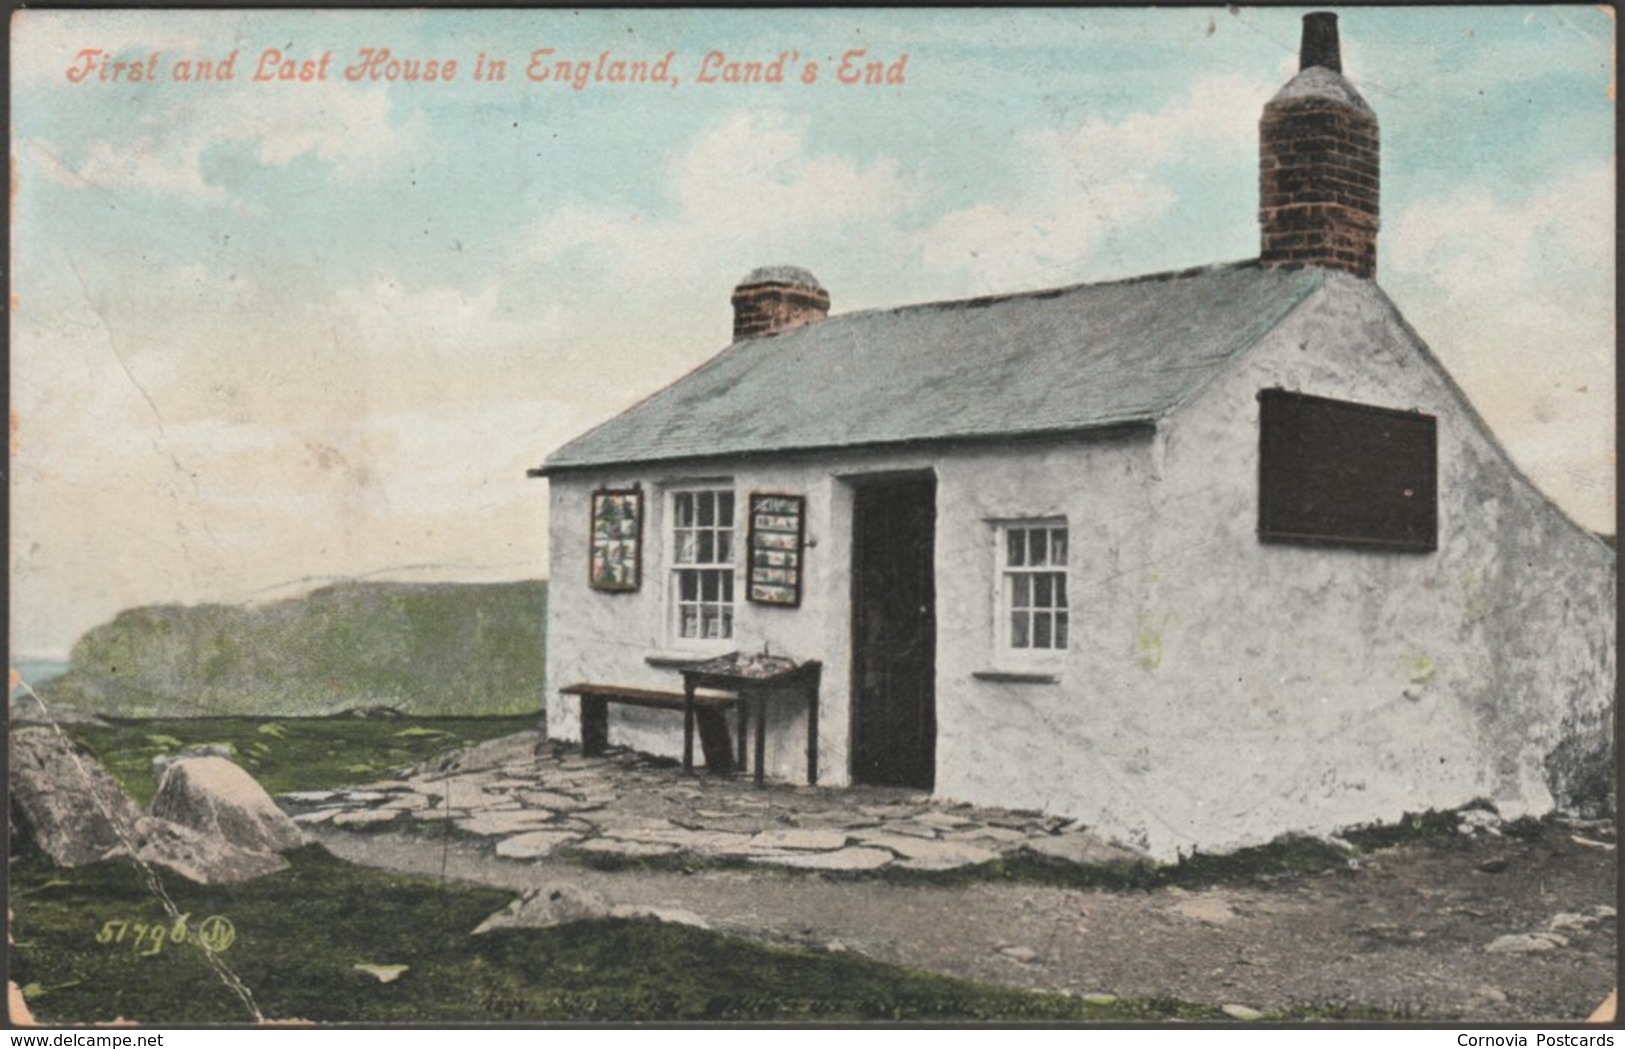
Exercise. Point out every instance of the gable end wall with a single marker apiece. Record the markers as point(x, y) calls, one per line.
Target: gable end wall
point(1312, 688)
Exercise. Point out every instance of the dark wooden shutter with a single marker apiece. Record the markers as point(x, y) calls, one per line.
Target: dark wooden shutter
point(1336, 472)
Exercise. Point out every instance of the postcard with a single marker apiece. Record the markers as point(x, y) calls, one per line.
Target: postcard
point(1123, 499)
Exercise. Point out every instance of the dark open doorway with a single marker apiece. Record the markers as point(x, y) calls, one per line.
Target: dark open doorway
point(894, 635)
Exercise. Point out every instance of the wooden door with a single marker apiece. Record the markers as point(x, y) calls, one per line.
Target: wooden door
point(894, 718)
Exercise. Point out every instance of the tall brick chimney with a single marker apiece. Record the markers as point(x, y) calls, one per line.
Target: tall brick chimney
point(777, 298)
point(1319, 164)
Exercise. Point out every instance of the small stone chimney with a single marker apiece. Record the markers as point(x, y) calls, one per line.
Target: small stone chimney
point(1319, 164)
point(777, 298)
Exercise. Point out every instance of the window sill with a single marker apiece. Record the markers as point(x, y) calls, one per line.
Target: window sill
point(1017, 677)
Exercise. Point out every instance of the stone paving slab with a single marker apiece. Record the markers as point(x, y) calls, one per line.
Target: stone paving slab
point(529, 799)
point(534, 844)
point(487, 824)
point(856, 858)
point(364, 817)
point(811, 840)
point(926, 854)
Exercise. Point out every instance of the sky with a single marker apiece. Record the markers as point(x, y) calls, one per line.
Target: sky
point(269, 333)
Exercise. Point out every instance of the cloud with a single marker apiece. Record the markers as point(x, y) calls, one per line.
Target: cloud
point(1097, 179)
point(746, 189)
point(1516, 296)
point(46, 44)
point(1475, 243)
point(353, 130)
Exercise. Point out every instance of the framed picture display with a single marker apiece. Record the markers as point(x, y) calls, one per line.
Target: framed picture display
point(777, 529)
point(615, 562)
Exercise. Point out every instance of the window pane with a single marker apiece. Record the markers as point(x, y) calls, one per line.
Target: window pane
point(702, 536)
point(1060, 630)
point(1057, 546)
point(1018, 629)
point(1038, 546)
point(1043, 590)
point(1060, 589)
point(1020, 591)
point(1016, 541)
point(1041, 633)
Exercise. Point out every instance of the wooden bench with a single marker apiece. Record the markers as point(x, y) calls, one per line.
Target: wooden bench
point(709, 713)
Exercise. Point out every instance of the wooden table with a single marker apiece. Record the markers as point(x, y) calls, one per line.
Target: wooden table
point(753, 678)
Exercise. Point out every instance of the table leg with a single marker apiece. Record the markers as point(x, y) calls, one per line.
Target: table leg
point(812, 736)
point(761, 735)
point(688, 725)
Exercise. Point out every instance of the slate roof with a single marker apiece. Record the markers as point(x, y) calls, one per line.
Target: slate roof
point(1067, 359)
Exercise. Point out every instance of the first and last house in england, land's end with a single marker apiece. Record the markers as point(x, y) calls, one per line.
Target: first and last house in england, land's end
point(1198, 557)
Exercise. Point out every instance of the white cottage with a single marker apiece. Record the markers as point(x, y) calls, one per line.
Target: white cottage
point(1199, 557)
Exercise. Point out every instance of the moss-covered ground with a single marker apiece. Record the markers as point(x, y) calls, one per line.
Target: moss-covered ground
point(309, 942)
point(287, 754)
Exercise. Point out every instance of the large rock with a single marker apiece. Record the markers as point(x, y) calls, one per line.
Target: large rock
point(218, 799)
point(548, 906)
point(505, 753)
point(76, 813)
point(198, 856)
point(560, 904)
point(69, 805)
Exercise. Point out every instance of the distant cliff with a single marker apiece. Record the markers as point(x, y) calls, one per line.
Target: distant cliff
point(444, 648)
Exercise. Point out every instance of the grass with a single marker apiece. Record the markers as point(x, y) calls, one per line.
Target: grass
point(319, 960)
point(287, 754)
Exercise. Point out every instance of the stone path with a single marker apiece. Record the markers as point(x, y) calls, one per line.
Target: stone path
point(532, 799)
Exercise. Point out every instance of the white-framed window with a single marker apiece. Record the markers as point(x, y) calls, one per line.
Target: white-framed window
point(1033, 618)
point(702, 564)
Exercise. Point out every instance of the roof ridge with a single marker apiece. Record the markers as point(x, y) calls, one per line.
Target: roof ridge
point(978, 301)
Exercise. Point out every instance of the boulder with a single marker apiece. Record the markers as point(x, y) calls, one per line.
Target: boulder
point(560, 904)
point(218, 799)
point(505, 752)
point(68, 804)
point(547, 906)
point(197, 856)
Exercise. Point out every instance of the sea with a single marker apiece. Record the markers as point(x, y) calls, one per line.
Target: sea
point(35, 671)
